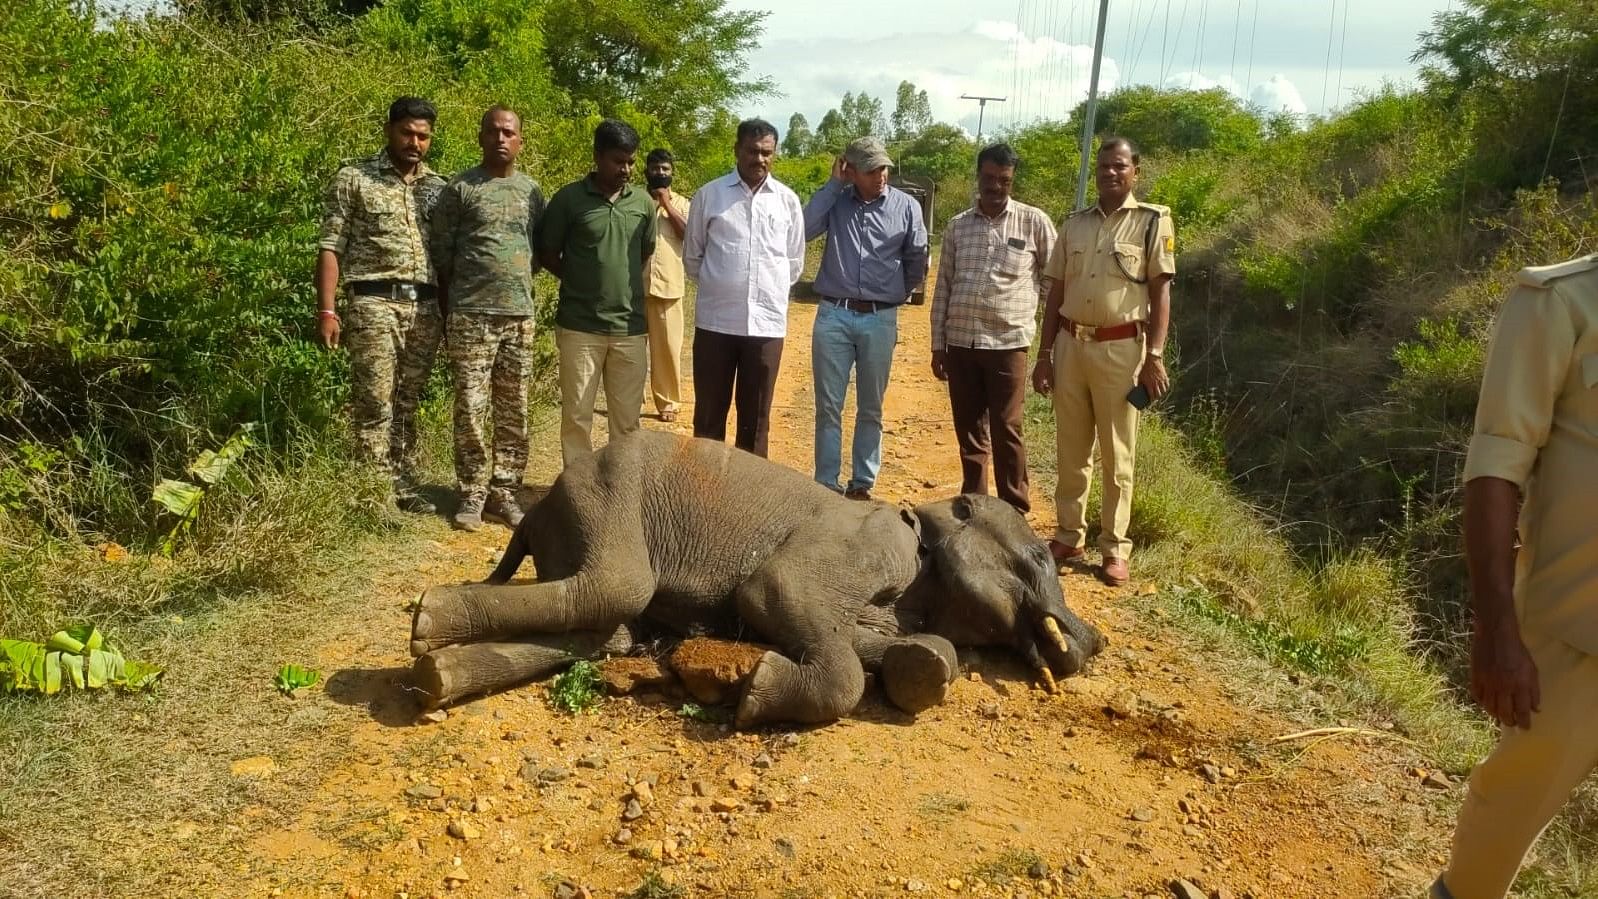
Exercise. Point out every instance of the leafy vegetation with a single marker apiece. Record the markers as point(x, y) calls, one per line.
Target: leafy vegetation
point(73, 658)
point(295, 677)
point(578, 689)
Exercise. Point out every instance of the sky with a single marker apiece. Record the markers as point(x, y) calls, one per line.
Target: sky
point(1302, 56)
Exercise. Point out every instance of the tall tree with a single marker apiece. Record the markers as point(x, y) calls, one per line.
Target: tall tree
point(799, 139)
point(912, 112)
point(832, 134)
point(862, 115)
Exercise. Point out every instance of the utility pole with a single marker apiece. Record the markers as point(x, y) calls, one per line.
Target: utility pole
point(982, 107)
point(1092, 109)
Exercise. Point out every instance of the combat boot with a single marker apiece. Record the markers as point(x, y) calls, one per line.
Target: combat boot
point(503, 508)
point(469, 517)
point(407, 499)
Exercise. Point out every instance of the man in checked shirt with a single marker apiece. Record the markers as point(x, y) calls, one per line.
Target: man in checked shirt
point(984, 313)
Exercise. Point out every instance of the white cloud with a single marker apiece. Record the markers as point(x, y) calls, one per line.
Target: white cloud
point(1277, 94)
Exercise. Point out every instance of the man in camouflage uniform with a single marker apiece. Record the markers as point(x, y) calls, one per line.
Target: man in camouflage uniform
point(482, 249)
point(374, 244)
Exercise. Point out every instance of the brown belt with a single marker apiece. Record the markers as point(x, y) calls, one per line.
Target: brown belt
point(1109, 332)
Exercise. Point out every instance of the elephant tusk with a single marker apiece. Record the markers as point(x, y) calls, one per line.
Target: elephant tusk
point(1047, 677)
point(1052, 628)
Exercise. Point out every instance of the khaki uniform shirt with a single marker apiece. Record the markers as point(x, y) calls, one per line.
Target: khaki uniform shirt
point(1537, 427)
point(482, 241)
point(989, 274)
point(376, 221)
point(665, 266)
point(1101, 259)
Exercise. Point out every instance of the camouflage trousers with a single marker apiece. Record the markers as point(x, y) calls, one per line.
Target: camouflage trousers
point(392, 345)
point(490, 357)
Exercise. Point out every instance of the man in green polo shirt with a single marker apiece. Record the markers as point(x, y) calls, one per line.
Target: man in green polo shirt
point(594, 236)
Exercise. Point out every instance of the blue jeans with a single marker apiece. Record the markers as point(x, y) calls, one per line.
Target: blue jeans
point(842, 340)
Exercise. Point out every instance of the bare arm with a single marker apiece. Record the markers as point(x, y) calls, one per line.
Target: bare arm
point(1153, 375)
point(1043, 371)
point(327, 297)
point(678, 221)
point(1503, 677)
point(550, 260)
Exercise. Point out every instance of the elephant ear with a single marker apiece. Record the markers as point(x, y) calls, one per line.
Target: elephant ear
point(908, 517)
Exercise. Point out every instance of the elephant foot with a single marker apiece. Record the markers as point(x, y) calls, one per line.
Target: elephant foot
point(452, 673)
point(442, 619)
point(762, 691)
point(916, 675)
point(780, 689)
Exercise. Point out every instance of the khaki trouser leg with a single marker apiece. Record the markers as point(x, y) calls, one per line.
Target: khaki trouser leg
point(1529, 776)
point(1073, 440)
point(626, 360)
point(1112, 372)
point(665, 320)
point(581, 358)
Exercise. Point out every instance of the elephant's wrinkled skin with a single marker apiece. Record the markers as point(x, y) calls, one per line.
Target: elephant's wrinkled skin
point(695, 537)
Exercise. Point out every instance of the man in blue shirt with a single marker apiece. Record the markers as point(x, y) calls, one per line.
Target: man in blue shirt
point(876, 254)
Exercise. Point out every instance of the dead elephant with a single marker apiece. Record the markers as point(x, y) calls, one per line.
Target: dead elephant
point(694, 537)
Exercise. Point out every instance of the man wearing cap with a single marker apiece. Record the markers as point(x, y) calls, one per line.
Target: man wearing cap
point(374, 244)
point(1104, 328)
point(1531, 546)
point(876, 254)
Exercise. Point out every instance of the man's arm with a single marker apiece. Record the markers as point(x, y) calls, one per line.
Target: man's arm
point(550, 235)
point(327, 297)
point(535, 211)
point(696, 234)
point(820, 206)
point(336, 205)
point(666, 200)
point(940, 303)
point(1153, 374)
point(796, 240)
point(914, 253)
point(1503, 677)
point(442, 239)
point(1054, 296)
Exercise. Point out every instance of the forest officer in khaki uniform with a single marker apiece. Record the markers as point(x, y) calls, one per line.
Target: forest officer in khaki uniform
point(1104, 327)
point(374, 244)
point(1534, 654)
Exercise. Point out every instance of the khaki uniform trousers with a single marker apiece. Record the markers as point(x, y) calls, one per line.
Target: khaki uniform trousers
point(586, 360)
point(1091, 380)
point(1530, 774)
point(664, 317)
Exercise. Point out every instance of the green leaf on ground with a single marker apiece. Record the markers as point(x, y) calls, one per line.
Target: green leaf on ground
point(295, 677)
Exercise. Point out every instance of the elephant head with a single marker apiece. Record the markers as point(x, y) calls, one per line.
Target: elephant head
point(990, 581)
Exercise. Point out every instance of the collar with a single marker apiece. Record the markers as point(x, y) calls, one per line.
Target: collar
point(976, 209)
point(1129, 203)
point(386, 166)
point(588, 185)
point(736, 180)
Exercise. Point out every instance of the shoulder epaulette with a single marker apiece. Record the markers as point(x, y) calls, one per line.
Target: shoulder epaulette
point(1154, 207)
point(1544, 275)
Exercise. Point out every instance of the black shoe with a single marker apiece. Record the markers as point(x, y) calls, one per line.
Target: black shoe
point(414, 503)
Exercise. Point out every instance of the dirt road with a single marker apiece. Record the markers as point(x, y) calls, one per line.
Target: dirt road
point(1154, 767)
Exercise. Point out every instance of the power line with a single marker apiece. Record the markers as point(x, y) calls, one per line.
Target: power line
point(1015, 56)
point(1198, 42)
point(1237, 23)
point(1254, 30)
point(1326, 71)
point(1165, 38)
point(1342, 52)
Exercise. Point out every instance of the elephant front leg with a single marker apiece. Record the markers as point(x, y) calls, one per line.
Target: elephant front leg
point(468, 613)
point(448, 675)
point(824, 687)
point(916, 670)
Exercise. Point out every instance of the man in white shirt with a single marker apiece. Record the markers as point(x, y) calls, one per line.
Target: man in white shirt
point(745, 247)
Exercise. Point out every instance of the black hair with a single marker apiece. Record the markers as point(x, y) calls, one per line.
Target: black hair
point(407, 108)
point(613, 134)
point(755, 129)
point(659, 154)
point(497, 108)
point(1000, 154)
point(1113, 141)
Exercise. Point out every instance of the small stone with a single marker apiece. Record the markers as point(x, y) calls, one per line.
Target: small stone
point(914, 886)
point(1189, 830)
point(633, 811)
point(954, 884)
point(482, 805)
point(424, 791)
point(643, 792)
point(1228, 772)
point(724, 804)
point(1222, 893)
point(1038, 871)
point(785, 847)
point(623, 836)
point(565, 891)
point(436, 716)
point(1210, 773)
point(553, 775)
point(654, 849)
point(762, 761)
point(1183, 889)
point(989, 710)
point(456, 876)
point(1144, 815)
point(788, 740)
point(743, 782)
point(701, 788)
point(254, 766)
point(593, 760)
point(464, 830)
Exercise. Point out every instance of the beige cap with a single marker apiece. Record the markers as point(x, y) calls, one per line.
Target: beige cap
point(867, 154)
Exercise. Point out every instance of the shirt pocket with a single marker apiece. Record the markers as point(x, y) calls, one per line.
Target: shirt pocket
point(380, 207)
point(771, 231)
point(1011, 264)
point(1129, 261)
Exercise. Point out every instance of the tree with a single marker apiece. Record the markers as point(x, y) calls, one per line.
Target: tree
point(912, 112)
point(1489, 40)
point(862, 115)
point(939, 151)
point(314, 13)
point(798, 141)
point(1162, 120)
point(832, 134)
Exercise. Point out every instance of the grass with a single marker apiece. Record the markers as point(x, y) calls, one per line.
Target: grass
point(942, 806)
point(654, 886)
point(1008, 865)
point(577, 689)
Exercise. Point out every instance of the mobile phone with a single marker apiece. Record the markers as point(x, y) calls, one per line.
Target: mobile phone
point(1139, 397)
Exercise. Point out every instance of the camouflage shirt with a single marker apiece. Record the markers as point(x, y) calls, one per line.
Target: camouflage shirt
point(377, 222)
point(482, 241)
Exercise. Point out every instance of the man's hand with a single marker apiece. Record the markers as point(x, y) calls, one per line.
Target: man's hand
point(1503, 677)
point(662, 195)
point(1043, 375)
point(840, 169)
point(940, 364)
point(1153, 377)
point(329, 326)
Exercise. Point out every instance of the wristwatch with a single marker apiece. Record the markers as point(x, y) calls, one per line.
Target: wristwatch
point(1156, 354)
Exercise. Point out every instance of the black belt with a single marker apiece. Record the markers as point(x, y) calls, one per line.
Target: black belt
point(859, 305)
point(401, 291)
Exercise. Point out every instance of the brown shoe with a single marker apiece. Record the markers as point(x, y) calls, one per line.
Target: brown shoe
point(1064, 555)
point(1115, 572)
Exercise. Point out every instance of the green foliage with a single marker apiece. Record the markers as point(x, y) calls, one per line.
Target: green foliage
point(912, 112)
point(1303, 652)
point(294, 677)
point(1008, 865)
point(73, 658)
point(654, 886)
point(577, 689)
point(939, 151)
point(798, 140)
point(1164, 121)
point(182, 499)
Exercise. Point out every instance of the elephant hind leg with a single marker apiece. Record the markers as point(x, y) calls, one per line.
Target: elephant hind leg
point(589, 600)
point(447, 675)
point(824, 687)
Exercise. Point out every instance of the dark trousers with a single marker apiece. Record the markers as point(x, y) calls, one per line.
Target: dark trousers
point(987, 389)
point(728, 366)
